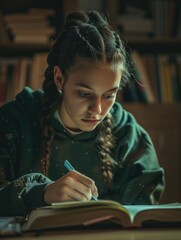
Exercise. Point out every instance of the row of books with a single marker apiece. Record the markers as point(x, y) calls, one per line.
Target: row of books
point(157, 79)
point(150, 19)
point(31, 27)
point(167, 18)
point(16, 73)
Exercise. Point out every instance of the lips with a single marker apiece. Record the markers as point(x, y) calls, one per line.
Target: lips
point(91, 120)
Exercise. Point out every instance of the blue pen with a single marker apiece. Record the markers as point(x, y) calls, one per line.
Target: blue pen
point(69, 167)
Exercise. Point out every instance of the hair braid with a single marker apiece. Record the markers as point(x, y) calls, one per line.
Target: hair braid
point(106, 144)
point(50, 101)
point(117, 40)
point(84, 39)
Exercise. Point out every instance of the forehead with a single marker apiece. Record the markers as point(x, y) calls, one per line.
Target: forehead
point(81, 64)
point(95, 74)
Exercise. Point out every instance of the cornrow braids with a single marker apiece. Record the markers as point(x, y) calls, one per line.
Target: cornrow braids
point(117, 40)
point(92, 49)
point(106, 142)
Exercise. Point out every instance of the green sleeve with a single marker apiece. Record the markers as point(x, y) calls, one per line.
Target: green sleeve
point(18, 194)
point(139, 179)
point(23, 194)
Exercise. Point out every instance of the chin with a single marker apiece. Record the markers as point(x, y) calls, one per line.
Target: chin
point(88, 129)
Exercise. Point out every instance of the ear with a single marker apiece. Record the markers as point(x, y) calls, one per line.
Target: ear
point(58, 77)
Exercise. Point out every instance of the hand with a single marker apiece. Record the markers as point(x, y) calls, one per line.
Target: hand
point(73, 186)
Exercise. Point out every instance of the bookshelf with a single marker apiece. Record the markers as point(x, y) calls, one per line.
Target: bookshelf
point(19, 60)
point(161, 120)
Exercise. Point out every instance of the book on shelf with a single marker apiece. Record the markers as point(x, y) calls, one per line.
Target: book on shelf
point(143, 77)
point(148, 62)
point(135, 20)
point(165, 79)
point(11, 79)
point(16, 73)
point(3, 85)
point(31, 39)
point(178, 68)
point(178, 22)
point(22, 76)
point(36, 35)
point(174, 68)
point(42, 11)
point(165, 17)
point(134, 9)
point(15, 26)
point(33, 26)
point(132, 24)
point(11, 65)
point(32, 14)
point(4, 36)
point(157, 77)
point(39, 64)
point(71, 214)
point(39, 30)
point(153, 18)
point(171, 18)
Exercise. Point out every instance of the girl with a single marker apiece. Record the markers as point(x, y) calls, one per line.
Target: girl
point(76, 118)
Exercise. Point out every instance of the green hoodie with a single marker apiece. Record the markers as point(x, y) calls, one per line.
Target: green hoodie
point(138, 178)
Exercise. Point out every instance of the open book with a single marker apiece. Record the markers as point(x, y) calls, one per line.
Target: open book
point(87, 213)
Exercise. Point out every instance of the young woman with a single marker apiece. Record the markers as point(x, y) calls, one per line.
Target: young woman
point(76, 118)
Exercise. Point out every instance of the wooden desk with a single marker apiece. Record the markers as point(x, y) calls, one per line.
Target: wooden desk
point(128, 234)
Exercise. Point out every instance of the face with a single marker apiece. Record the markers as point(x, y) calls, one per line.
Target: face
point(88, 94)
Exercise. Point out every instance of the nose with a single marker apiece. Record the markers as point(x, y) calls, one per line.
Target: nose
point(95, 106)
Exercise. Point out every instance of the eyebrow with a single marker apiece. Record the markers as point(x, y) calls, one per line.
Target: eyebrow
point(85, 86)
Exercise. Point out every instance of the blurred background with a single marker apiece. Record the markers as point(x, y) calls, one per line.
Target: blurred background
point(151, 31)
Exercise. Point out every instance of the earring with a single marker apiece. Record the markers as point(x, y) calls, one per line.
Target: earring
point(60, 91)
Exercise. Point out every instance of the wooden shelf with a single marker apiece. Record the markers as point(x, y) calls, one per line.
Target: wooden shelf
point(15, 6)
point(155, 45)
point(143, 45)
point(11, 50)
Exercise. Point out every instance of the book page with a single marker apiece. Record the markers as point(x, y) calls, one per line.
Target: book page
point(138, 209)
point(76, 204)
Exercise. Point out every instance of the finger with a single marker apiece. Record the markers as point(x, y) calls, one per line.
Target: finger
point(85, 181)
point(95, 192)
point(77, 196)
point(72, 183)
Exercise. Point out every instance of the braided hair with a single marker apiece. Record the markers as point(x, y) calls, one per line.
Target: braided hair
point(85, 35)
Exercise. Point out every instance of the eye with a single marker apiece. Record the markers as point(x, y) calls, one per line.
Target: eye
point(84, 94)
point(109, 96)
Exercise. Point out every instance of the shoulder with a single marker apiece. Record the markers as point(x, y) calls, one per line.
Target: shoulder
point(121, 117)
point(125, 126)
point(25, 107)
point(27, 100)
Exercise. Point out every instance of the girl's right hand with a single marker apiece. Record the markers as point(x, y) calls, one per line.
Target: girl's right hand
point(71, 187)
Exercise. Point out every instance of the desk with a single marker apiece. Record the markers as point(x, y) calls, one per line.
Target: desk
point(128, 234)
